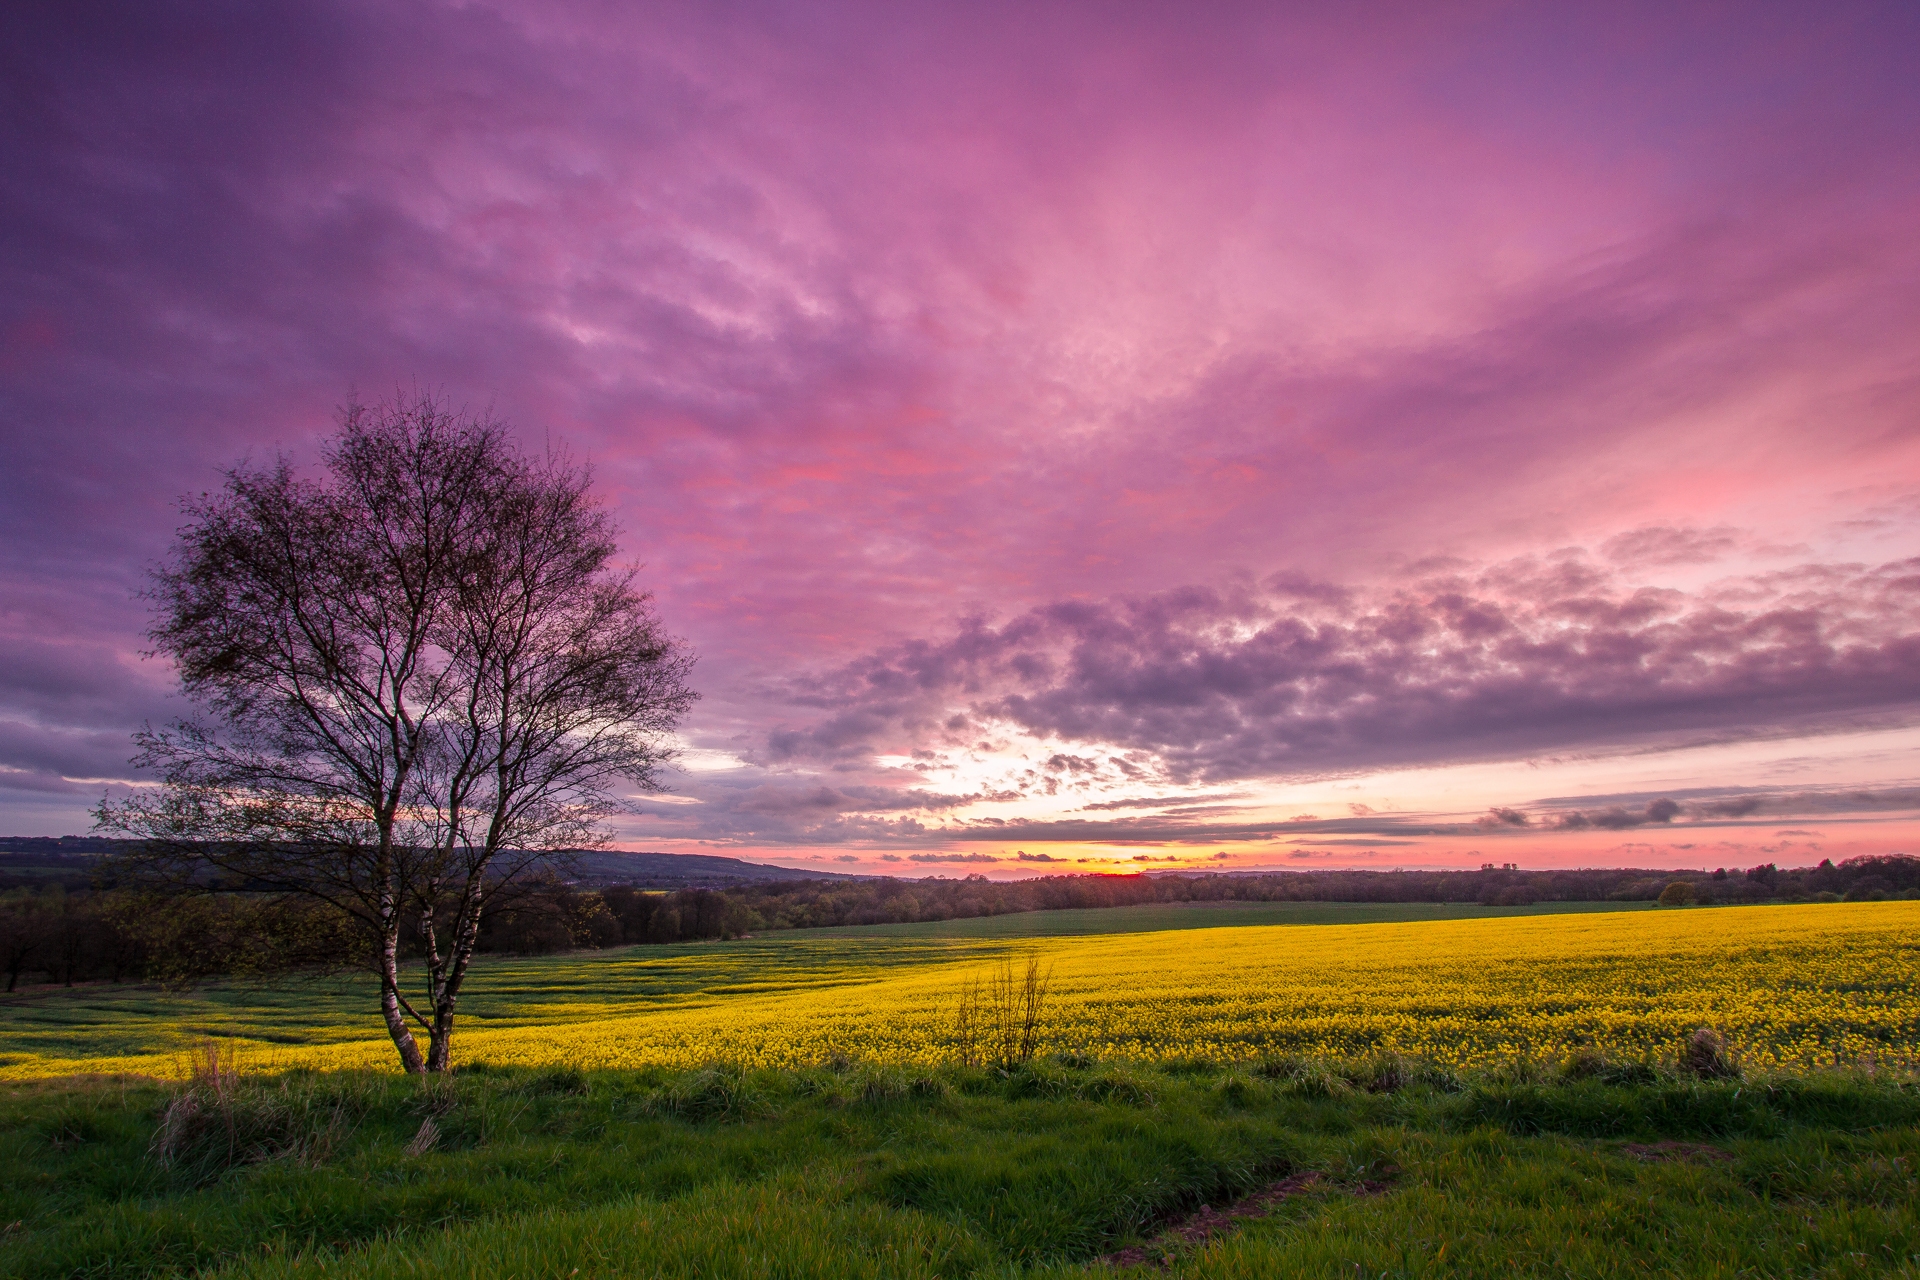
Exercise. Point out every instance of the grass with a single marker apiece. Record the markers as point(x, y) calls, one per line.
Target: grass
point(1037, 1171)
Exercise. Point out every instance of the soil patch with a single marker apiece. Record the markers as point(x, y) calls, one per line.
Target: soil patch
point(1197, 1227)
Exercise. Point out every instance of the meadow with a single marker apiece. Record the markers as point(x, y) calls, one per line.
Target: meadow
point(1488, 1096)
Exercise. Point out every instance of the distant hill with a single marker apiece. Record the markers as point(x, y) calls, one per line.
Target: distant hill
point(684, 871)
point(37, 858)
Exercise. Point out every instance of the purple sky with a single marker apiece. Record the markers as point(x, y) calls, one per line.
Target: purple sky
point(1072, 434)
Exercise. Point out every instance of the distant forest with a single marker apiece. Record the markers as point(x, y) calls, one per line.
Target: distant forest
point(63, 921)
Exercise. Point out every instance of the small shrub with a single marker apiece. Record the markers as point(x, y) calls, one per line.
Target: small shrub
point(218, 1121)
point(996, 1021)
point(1677, 894)
point(1385, 1073)
point(1704, 1056)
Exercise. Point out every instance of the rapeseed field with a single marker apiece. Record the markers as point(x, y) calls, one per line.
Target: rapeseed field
point(1789, 987)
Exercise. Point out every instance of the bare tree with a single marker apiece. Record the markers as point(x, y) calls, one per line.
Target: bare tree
point(421, 676)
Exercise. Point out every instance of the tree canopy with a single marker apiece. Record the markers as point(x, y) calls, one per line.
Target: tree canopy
point(419, 673)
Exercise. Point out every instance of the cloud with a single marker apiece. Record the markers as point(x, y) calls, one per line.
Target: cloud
point(1494, 662)
point(1739, 807)
point(1499, 817)
point(1660, 810)
point(1667, 545)
point(1024, 856)
point(951, 857)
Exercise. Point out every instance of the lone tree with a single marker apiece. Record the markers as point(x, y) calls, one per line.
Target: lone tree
point(420, 675)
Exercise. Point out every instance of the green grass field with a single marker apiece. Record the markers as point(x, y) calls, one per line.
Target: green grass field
point(1037, 1171)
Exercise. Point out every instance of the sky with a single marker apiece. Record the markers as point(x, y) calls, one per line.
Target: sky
point(1072, 437)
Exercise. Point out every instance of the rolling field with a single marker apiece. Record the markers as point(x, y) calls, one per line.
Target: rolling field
point(1161, 917)
point(1490, 1097)
point(1791, 987)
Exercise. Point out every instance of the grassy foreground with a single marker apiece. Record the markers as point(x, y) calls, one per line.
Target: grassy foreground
point(1039, 1170)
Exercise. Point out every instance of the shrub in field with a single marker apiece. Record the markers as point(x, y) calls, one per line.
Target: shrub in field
point(218, 1120)
point(1386, 1073)
point(1677, 894)
point(1705, 1056)
point(997, 1020)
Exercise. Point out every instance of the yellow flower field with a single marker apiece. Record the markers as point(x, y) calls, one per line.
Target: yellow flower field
point(1790, 987)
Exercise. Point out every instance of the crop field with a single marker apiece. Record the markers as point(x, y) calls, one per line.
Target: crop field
point(1790, 987)
point(1159, 917)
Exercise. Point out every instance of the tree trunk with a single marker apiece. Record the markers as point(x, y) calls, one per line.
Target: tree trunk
point(466, 935)
point(390, 1007)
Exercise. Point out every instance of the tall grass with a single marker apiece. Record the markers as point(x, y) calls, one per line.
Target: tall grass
point(868, 1169)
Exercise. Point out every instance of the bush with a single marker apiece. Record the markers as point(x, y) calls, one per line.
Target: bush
point(218, 1121)
point(1385, 1073)
point(1677, 894)
point(1704, 1055)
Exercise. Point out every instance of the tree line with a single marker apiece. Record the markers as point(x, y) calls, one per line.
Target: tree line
point(57, 931)
point(816, 904)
